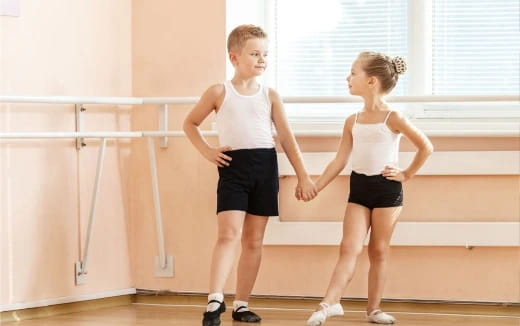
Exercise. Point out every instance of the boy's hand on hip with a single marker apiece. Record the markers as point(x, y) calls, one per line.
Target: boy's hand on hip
point(217, 157)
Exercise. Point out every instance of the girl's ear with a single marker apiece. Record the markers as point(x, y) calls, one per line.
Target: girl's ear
point(372, 81)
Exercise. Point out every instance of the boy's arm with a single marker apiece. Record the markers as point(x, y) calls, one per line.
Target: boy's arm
point(201, 110)
point(399, 123)
point(340, 160)
point(306, 189)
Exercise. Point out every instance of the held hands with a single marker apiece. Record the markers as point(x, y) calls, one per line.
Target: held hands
point(306, 190)
point(394, 173)
point(217, 157)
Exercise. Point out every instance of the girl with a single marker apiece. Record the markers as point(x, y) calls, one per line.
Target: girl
point(371, 137)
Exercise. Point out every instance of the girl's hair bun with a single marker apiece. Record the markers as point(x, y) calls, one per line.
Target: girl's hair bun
point(399, 64)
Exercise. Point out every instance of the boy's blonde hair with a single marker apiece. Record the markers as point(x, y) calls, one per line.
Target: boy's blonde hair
point(386, 69)
point(240, 34)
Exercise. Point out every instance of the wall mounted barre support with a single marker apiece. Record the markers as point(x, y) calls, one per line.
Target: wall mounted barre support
point(80, 267)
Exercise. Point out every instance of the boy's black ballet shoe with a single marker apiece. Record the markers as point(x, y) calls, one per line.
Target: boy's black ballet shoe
point(212, 318)
point(245, 316)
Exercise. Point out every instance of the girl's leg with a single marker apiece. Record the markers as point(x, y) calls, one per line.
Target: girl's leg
point(225, 250)
point(355, 227)
point(382, 226)
point(249, 263)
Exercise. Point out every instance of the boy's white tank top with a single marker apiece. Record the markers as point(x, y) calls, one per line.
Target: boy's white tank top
point(374, 145)
point(244, 121)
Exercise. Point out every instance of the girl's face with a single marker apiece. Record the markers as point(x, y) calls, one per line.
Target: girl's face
point(252, 58)
point(358, 80)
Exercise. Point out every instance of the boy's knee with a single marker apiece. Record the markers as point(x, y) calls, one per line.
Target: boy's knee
point(229, 235)
point(252, 243)
point(377, 253)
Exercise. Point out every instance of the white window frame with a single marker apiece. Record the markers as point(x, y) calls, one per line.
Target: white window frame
point(419, 60)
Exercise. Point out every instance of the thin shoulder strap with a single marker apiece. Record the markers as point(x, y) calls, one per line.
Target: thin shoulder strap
point(356, 117)
point(387, 116)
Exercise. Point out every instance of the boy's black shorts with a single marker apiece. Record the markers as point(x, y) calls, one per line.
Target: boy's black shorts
point(250, 182)
point(375, 191)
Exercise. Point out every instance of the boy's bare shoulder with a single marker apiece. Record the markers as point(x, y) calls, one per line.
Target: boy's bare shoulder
point(216, 90)
point(272, 91)
point(273, 94)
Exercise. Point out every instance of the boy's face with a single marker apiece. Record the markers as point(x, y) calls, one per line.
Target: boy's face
point(251, 61)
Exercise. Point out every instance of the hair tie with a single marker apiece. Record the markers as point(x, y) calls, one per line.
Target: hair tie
point(399, 64)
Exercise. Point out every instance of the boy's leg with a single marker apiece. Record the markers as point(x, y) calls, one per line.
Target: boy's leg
point(248, 265)
point(383, 223)
point(224, 254)
point(251, 256)
point(226, 247)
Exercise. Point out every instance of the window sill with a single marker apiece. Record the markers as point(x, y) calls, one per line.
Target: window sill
point(431, 127)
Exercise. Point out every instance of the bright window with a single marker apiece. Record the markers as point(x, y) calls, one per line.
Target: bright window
point(453, 47)
point(476, 47)
point(315, 42)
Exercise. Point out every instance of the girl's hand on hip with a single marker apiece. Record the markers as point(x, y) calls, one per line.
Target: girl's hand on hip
point(394, 173)
point(217, 157)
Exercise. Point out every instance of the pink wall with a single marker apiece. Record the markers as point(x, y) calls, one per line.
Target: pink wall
point(185, 55)
point(75, 48)
point(177, 48)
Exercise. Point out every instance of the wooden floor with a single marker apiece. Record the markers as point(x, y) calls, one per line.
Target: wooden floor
point(157, 315)
point(159, 311)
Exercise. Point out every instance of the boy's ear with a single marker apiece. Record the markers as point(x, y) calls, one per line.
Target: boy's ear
point(232, 57)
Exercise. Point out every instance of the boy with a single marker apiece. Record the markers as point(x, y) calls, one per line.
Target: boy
point(247, 191)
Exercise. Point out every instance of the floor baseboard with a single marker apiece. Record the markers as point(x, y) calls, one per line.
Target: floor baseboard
point(65, 308)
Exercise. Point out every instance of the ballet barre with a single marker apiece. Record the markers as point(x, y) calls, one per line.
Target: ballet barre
point(286, 99)
point(164, 262)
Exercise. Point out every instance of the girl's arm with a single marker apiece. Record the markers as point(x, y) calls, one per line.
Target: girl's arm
point(305, 189)
point(399, 123)
point(340, 161)
point(207, 103)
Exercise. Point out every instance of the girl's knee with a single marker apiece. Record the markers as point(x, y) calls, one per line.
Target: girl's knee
point(350, 249)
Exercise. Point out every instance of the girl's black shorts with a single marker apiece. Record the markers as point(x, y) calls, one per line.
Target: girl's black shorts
point(375, 191)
